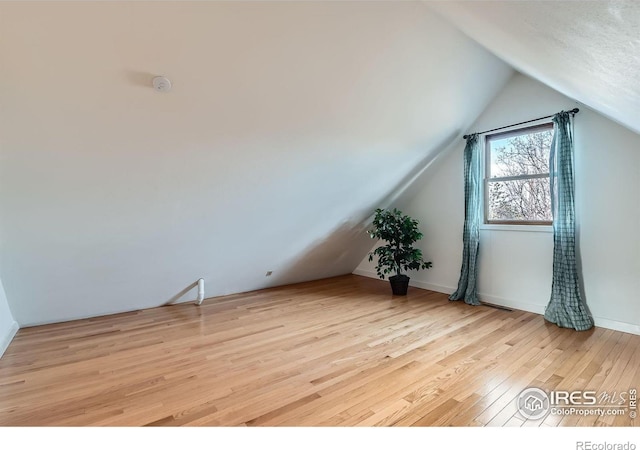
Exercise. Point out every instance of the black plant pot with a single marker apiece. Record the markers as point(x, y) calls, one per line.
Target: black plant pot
point(399, 284)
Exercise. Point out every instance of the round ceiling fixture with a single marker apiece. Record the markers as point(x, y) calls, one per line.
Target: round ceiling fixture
point(161, 84)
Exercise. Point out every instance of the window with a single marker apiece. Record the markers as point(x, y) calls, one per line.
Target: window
point(517, 176)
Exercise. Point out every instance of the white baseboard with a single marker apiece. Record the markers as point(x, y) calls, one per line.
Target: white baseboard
point(616, 325)
point(511, 304)
point(492, 299)
point(365, 273)
point(432, 287)
point(7, 338)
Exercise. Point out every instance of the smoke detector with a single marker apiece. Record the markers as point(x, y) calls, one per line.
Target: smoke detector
point(161, 84)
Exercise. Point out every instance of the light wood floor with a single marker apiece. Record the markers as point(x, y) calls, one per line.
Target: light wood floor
point(335, 352)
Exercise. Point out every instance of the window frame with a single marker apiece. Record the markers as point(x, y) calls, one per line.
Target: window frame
point(486, 170)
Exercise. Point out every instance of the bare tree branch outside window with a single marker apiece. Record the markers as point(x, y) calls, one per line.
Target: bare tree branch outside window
point(518, 177)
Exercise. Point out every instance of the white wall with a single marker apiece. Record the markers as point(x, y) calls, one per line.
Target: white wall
point(8, 326)
point(287, 125)
point(515, 266)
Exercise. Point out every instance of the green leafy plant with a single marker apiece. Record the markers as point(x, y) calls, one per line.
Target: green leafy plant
point(400, 232)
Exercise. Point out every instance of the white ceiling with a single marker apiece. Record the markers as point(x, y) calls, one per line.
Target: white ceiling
point(589, 51)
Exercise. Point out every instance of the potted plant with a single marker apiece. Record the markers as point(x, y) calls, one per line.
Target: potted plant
point(400, 232)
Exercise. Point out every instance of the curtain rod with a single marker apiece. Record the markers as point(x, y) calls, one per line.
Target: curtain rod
point(573, 111)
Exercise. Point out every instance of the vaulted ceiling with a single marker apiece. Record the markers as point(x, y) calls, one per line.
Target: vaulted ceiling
point(287, 125)
point(587, 50)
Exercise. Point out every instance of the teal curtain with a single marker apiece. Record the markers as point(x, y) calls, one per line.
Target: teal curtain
point(467, 289)
point(566, 308)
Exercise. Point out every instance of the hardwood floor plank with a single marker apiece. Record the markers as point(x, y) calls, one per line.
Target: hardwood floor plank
point(335, 352)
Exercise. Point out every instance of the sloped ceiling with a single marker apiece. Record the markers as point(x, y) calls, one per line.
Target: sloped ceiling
point(587, 50)
point(287, 124)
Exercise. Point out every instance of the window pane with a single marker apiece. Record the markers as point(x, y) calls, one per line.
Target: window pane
point(526, 200)
point(527, 154)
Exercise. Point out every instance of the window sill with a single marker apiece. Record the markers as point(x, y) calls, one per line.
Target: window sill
point(527, 228)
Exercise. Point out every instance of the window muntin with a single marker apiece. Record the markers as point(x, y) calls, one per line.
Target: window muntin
point(517, 176)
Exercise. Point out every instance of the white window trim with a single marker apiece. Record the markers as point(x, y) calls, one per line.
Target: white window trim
point(516, 227)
